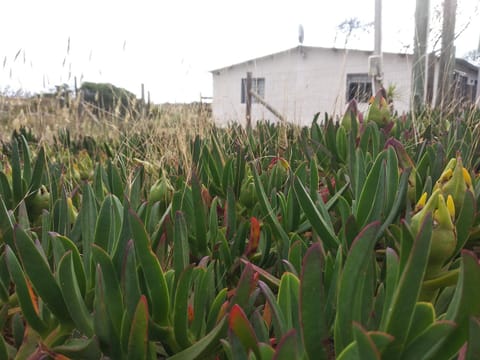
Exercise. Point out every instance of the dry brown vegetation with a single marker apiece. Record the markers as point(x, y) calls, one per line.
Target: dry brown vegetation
point(165, 130)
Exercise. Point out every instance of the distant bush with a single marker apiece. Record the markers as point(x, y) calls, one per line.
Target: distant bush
point(108, 97)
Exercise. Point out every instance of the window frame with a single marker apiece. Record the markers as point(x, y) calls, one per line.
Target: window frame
point(362, 81)
point(258, 85)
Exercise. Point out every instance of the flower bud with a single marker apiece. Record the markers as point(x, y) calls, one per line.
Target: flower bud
point(444, 237)
point(248, 194)
point(72, 211)
point(378, 110)
point(85, 165)
point(351, 113)
point(39, 202)
point(41, 199)
point(405, 162)
point(455, 181)
point(161, 191)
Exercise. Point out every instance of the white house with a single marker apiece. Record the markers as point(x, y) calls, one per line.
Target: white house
point(303, 81)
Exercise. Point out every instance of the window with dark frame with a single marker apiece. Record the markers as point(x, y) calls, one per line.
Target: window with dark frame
point(258, 85)
point(359, 87)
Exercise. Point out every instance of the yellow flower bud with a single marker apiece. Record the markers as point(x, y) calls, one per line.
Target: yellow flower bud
point(444, 238)
point(446, 175)
point(451, 206)
point(421, 202)
point(455, 181)
point(467, 178)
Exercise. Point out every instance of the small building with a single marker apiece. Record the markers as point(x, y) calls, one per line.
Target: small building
point(303, 81)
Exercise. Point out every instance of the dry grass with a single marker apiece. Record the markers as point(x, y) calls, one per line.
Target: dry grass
point(154, 136)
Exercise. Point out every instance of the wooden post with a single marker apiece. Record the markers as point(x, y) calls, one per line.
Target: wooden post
point(477, 95)
point(248, 100)
point(420, 59)
point(142, 103)
point(268, 106)
point(447, 55)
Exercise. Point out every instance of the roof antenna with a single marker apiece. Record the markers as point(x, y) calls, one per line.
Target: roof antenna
point(301, 34)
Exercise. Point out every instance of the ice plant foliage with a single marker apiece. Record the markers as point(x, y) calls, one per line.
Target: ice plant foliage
point(338, 240)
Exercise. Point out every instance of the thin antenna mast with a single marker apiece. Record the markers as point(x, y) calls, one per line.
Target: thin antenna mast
point(301, 34)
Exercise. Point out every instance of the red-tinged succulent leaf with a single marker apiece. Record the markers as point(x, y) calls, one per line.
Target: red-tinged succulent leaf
point(287, 348)
point(380, 339)
point(242, 328)
point(278, 319)
point(33, 297)
point(22, 290)
point(190, 313)
point(138, 340)
point(254, 238)
point(272, 280)
point(244, 287)
point(42, 279)
point(366, 346)
point(267, 315)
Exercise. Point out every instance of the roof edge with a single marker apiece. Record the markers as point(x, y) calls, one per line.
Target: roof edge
point(303, 47)
point(298, 48)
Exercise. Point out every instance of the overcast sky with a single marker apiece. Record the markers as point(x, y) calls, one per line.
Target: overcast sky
point(171, 46)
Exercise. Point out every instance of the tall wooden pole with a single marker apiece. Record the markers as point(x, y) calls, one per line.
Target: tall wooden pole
point(248, 101)
point(420, 58)
point(477, 95)
point(447, 56)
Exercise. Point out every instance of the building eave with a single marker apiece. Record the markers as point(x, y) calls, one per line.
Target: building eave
point(299, 49)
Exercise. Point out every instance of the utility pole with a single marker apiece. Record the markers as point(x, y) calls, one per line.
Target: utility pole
point(477, 101)
point(447, 55)
point(420, 58)
point(248, 101)
point(375, 62)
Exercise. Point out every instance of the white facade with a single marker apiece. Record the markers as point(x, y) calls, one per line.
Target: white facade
point(303, 81)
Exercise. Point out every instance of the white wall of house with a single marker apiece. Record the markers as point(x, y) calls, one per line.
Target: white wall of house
point(303, 81)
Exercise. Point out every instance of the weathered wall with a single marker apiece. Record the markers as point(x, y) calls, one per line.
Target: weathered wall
point(303, 81)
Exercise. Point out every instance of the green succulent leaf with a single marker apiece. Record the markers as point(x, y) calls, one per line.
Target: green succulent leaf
point(400, 313)
point(25, 298)
point(356, 264)
point(73, 297)
point(319, 223)
point(38, 271)
point(312, 301)
point(205, 346)
point(180, 308)
point(152, 272)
